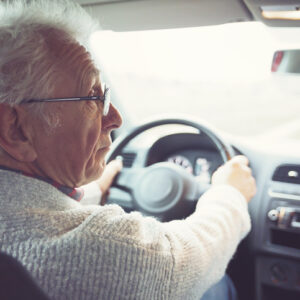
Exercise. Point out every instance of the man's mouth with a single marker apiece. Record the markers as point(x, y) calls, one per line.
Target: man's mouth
point(105, 147)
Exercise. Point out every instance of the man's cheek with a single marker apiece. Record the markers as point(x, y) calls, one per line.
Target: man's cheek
point(93, 141)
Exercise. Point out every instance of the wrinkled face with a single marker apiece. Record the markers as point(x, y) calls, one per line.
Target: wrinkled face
point(73, 153)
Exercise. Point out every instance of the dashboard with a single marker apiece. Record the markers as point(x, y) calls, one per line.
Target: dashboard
point(271, 252)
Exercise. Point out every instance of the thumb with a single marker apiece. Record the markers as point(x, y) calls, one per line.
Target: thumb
point(240, 159)
point(109, 173)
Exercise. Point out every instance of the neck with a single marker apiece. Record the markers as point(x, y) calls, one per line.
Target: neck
point(11, 163)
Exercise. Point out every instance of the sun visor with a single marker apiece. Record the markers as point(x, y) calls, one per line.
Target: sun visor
point(162, 14)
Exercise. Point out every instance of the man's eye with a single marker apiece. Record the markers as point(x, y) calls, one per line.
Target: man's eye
point(93, 93)
point(96, 91)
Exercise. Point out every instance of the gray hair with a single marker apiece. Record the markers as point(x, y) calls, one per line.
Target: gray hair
point(27, 63)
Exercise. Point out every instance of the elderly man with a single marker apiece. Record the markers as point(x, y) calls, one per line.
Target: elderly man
point(51, 144)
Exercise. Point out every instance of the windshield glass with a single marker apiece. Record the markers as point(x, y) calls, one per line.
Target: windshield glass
point(218, 73)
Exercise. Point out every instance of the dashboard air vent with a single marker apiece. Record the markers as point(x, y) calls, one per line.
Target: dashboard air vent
point(128, 159)
point(287, 173)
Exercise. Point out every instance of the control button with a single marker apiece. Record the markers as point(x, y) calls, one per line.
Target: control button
point(278, 273)
point(273, 214)
point(293, 173)
point(285, 216)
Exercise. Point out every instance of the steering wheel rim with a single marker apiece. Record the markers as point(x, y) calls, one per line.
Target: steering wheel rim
point(223, 147)
point(162, 170)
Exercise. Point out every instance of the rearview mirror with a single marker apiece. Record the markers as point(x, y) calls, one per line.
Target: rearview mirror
point(286, 61)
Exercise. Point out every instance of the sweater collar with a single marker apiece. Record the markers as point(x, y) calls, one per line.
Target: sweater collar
point(74, 193)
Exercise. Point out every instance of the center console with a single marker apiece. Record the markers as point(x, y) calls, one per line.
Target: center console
point(277, 265)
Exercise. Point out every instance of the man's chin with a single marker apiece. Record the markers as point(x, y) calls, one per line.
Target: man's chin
point(97, 172)
point(92, 174)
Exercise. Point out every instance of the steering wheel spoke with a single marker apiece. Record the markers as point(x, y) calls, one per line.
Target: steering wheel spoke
point(195, 190)
point(120, 197)
point(127, 179)
point(121, 192)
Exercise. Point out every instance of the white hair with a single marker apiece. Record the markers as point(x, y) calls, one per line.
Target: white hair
point(28, 65)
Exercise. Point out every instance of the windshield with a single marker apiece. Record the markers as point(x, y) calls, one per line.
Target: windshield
point(221, 74)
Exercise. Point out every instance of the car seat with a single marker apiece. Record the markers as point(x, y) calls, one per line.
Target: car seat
point(15, 281)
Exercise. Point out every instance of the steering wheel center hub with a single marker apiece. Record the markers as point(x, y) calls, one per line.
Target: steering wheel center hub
point(158, 189)
point(162, 184)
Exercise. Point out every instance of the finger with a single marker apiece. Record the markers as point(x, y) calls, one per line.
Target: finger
point(246, 169)
point(241, 159)
point(114, 166)
point(110, 171)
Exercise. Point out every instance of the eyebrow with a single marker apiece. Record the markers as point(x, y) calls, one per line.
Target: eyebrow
point(86, 76)
point(95, 72)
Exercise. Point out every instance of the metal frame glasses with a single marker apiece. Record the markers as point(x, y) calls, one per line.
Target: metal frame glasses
point(105, 99)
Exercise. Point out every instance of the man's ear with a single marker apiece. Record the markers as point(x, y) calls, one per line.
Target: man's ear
point(15, 133)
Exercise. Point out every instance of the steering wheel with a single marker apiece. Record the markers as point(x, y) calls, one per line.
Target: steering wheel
point(164, 189)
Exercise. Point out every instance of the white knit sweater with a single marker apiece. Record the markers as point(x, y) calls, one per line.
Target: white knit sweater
point(100, 252)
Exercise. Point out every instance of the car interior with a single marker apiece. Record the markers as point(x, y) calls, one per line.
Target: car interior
point(180, 124)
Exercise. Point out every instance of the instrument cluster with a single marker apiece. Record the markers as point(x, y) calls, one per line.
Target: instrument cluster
point(201, 164)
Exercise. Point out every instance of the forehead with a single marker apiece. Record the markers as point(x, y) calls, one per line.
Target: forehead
point(81, 59)
point(77, 61)
point(77, 72)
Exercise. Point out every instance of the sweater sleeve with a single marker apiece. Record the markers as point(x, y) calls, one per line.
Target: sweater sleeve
point(203, 244)
point(195, 251)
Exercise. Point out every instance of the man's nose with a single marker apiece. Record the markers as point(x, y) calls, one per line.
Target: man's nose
point(113, 119)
